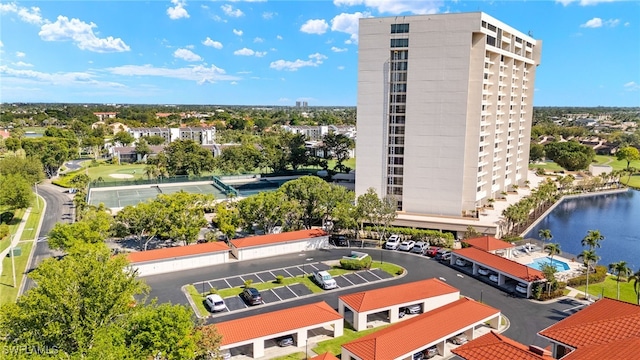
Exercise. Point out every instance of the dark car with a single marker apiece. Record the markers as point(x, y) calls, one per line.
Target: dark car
point(285, 341)
point(339, 240)
point(251, 296)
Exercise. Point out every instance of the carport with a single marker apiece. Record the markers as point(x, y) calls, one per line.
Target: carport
point(277, 244)
point(429, 294)
point(492, 245)
point(402, 340)
point(256, 330)
point(160, 261)
point(507, 270)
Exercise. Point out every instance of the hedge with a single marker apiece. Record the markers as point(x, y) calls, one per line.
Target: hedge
point(597, 277)
point(352, 264)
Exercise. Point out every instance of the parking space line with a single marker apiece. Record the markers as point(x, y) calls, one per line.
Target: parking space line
point(259, 278)
point(209, 283)
point(294, 294)
point(313, 266)
point(374, 274)
point(276, 294)
point(285, 270)
point(348, 280)
point(225, 280)
point(358, 275)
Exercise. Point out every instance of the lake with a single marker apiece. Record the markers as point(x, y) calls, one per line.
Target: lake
point(617, 216)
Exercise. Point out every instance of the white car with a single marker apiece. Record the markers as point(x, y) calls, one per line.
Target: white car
point(325, 280)
point(392, 242)
point(420, 247)
point(521, 288)
point(406, 245)
point(493, 277)
point(483, 271)
point(461, 262)
point(215, 302)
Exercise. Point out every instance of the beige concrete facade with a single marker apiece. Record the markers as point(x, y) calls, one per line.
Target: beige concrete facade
point(444, 110)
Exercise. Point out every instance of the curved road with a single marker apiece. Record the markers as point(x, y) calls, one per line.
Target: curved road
point(59, 209)
point(527, 317)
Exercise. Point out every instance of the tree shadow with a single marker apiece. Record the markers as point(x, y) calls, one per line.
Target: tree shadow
point(8, 217)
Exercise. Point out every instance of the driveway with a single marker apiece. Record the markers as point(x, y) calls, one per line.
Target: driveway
point(527, 317)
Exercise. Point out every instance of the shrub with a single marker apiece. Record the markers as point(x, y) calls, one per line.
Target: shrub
point(279, 279)
point(548, 296)
point(597, 277)
point(248, 283)
point(213, 291)
point(4, 231)
point(353, 264)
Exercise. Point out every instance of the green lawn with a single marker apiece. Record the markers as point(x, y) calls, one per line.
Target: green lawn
point(8, 293)
point(13, 226)
point(608, 288)
point(294, 356)
point(30, 228)
point(548, 166)
point(334, 345)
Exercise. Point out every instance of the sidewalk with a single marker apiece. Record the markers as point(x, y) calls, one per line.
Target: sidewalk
point(16, 236)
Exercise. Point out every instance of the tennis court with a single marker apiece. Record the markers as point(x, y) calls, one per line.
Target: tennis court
point(134, 195)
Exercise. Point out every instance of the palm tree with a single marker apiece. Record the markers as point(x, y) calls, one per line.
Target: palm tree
point(545, 234)
point(620, 269)
point(553, 249)
point(588, 256)
point(636, 284)
point(592, 240)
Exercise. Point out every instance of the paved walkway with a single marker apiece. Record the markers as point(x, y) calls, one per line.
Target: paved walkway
point(16, 236)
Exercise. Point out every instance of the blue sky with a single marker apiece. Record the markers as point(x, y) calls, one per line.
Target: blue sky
point(279, 52)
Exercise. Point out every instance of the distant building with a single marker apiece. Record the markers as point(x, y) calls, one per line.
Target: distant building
point(105, 115)
point(115, 127)
point(315, 133)
point(201, 135)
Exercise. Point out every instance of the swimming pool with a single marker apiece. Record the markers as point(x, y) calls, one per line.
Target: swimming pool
point(559, 265)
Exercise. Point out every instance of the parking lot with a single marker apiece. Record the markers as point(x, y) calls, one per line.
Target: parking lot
point(287, 292)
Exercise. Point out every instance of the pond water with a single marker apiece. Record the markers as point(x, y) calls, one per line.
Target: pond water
point(616, 216)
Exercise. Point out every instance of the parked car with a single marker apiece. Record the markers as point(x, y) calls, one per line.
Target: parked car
point(461, 262)
point(459, 339)
point(251, 296)
point(432, 251)
point(493, 277)
point(483, 271)
point(225, 354)
point(443, 254)
point(411, 309)
point(406, 245)
point(215, 302)
point(392, 242)
point(420, 247)
point(339, 240)
point(431, 352)
point(324, 280)
point(521, 288)
point(418, 356)
point(286, 340)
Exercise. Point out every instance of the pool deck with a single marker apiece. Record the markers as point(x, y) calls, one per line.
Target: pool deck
point(527, 257)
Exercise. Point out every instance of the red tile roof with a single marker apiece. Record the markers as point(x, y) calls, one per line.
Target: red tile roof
point(499, 263)
point(400, 339)
point(277, 238)
point(607, 323)
point(275, 322)
point(325, 356)
point(497, 347)
point(176, 252)
point(399, 294)
point(488, 243)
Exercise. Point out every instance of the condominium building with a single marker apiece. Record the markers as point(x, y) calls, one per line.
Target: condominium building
point(444, 110)
point(201, 135)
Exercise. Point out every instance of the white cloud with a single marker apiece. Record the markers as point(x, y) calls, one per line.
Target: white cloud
point(186, 55)
point(315, 26)
point(396, 6)
point(249, 52)
point(190, 47)
point(348, 23)
point(20, 54)
point(632, 86)
point(268, 15)
point(337, 49)
point(258, 40)
point(234, 83)
point(200, 73)
point(340, 67)
point(627, 23)
point(22, 64)
point(1, 44)
point(71, 78)
point(29, 15)
point(598, 22)
point(279, 37)
point(212, 43)
point(237, 32)
point(81, 34)
point(229, 11)
point(315, 60)
point(583, 2)
point(178, 11)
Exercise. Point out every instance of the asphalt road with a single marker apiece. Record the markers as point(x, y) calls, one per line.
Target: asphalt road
point(59, 209)
point(527, 317)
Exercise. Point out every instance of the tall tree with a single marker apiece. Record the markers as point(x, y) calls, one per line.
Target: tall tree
point(545, 234)
point(28, 168)
point(592, 239)
point(552, 249)
point(588, 257)
point(266, 210)
point(186, 157)
point(227, 218)
point(620, 269)
point(123, 138)
point(629, 154)
point(636, 284)
point(93, 228)
point(15, 192)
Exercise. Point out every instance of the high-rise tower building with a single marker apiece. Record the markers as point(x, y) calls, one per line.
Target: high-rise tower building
point(445, 105)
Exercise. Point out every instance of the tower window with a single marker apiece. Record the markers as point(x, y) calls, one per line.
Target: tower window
point(399, 28)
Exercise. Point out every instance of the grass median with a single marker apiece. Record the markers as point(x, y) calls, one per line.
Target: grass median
point(609, 288)
point(9, 293)
point(13, 225)
point(31, 227)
